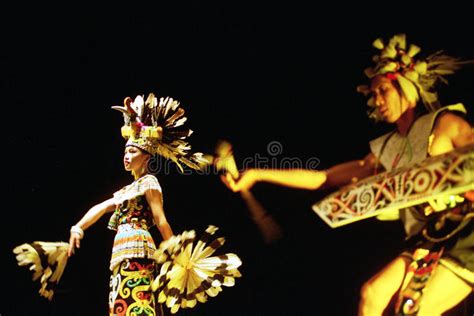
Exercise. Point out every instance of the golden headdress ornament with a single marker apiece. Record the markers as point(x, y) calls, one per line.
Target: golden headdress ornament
point(157, 127)
point(416, 78)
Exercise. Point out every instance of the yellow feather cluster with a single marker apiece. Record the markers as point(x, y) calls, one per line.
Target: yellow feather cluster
point(56, 259)
point(189, 274)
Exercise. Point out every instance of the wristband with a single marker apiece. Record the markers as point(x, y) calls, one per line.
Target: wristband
point(78, 230)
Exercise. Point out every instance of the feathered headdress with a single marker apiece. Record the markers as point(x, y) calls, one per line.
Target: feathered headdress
point(416, 78)
point(157, 128)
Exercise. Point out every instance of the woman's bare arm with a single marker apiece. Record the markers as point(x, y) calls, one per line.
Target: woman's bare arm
point(154, 199)
point(92, 216)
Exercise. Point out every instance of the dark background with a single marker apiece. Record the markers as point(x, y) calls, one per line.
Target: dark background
point(247, 73)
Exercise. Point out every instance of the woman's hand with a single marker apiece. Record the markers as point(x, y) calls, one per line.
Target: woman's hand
point(246, 181)
point(74, 242)
point(92, 215)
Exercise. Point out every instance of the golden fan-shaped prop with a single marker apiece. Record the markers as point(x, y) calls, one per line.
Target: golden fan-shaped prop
point(189, 274)
point(47, 260)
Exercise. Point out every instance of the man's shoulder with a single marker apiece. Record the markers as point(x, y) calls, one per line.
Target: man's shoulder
point(454, 114)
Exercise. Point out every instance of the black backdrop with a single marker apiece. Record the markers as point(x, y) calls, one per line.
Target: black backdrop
point(251, 74)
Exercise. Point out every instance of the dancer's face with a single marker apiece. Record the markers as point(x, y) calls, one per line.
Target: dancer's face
point(389, 101)
point(134, 159)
